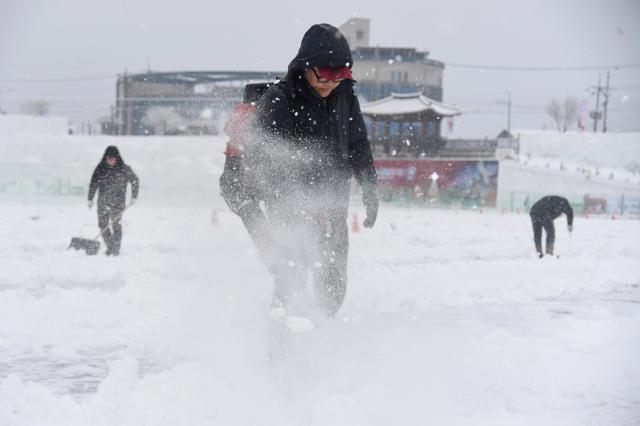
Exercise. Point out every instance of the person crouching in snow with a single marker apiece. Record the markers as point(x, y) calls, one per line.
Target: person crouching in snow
point(310, 140)
point(110, 179)
point(543, 213)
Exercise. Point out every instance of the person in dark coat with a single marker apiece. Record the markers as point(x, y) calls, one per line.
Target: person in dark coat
point(543, 213)
point(110, 179)
point(310, 140)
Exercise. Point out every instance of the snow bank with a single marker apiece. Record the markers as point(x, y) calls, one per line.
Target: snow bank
point(175, 169)
point(27, 124)
point(519, 180)
point(573, 165)
point(614, 150)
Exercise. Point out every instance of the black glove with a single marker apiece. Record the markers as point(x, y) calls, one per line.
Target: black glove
point(370, 200)
point(249, 210)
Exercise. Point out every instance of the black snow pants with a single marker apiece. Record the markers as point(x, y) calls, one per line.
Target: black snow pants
point(109, 219)
point(538, 225)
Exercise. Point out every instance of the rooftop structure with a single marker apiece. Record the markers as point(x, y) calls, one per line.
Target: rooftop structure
point(407, 106)
point(406, 124)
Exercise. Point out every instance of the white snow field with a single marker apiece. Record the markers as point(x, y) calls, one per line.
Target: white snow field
point(449, 318)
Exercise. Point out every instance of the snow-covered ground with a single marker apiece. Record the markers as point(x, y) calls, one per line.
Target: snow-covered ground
point(449, 319)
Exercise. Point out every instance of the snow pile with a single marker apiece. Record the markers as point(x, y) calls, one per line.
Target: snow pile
point(180, 169)
point(27, 124)
point(612, 150)
point(573, 165)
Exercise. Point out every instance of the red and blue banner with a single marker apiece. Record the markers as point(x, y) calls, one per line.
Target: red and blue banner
point(465, 182)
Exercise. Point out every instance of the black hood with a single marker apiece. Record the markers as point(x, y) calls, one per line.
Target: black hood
point(323, 45)
point(112, 151)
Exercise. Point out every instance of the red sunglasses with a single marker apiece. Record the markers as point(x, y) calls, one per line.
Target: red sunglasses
point(327, 74)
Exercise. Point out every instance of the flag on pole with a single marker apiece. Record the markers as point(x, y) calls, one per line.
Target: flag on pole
point(584, 111)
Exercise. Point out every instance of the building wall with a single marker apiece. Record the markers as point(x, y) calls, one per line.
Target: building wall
point(402, 70)
point(378, 79)
point(158, 89)
point(135, 96)
point(426, 74)
point(356, 31)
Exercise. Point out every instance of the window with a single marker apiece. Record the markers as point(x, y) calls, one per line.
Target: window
point(359, 35)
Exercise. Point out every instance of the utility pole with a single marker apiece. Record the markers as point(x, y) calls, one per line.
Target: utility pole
point(509, 112)
point(508, 104)
point(595, 116)
point(606, 104)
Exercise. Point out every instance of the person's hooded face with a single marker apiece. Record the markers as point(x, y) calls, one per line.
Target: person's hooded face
point(112, 157)
point(324, 59)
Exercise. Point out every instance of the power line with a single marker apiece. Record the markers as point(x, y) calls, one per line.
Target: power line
point(518, 68)
point(532, 111)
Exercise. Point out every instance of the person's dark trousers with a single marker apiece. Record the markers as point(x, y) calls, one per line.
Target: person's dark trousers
point(538, 225)
point(332, 240)
point(112, 235)
point(330, 279)
point(322, 253)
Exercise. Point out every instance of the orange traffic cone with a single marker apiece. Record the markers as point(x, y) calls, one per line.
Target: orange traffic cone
point(355, 223)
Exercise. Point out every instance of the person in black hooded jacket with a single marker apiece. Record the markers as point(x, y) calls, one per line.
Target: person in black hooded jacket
point(311, 139)
point(543, 213)
point(110, 179)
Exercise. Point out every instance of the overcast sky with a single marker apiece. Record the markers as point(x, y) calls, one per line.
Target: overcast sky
point(89, 42)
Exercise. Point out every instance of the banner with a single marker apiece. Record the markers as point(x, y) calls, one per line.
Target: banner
point(466, 182)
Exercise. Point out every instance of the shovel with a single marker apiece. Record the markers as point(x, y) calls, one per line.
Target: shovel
point(91, 246)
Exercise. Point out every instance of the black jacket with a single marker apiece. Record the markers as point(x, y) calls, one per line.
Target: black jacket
point(327, 136)
point(301, 143)
point(111, 182)
point(551, 207)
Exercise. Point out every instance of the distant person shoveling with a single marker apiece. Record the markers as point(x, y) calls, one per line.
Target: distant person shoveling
point(109, 179)
point(543, 213)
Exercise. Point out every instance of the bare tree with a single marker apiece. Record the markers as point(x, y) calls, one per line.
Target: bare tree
point(554, 109)
point(564, 114)
point(38, 108)
point(570, 113)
